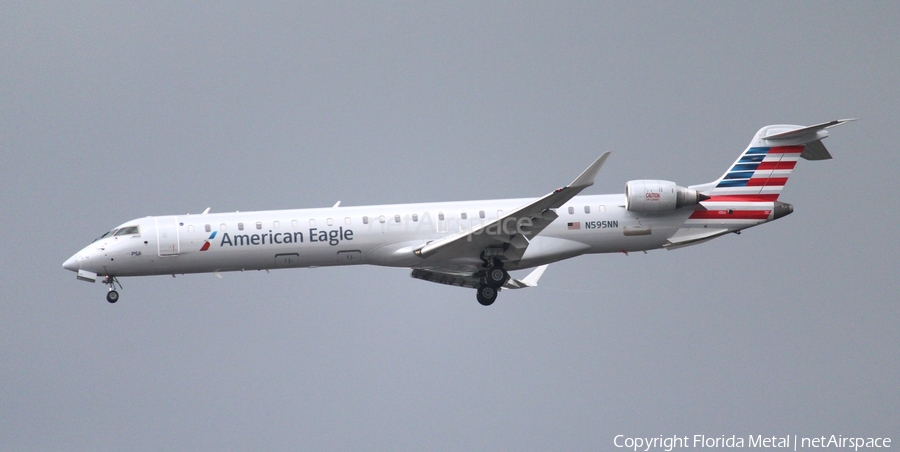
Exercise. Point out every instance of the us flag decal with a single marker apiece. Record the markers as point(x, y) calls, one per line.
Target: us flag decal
point(575, 225)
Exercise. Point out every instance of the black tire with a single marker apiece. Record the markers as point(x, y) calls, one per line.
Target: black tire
point(496, 277)
point(112, 296)
point(486, 295)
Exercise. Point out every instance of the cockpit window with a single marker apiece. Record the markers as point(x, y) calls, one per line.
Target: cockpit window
point(128, 230)
point(108, 234)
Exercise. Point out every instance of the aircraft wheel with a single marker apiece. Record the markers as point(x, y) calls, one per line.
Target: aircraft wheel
point(496, 277)
point(486, 295)
point(112, 296)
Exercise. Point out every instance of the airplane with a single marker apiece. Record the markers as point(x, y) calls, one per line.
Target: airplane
point(473, 244)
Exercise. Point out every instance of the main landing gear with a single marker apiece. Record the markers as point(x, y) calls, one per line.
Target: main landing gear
point(486, 294)
point(112, 296)
point(495, 276)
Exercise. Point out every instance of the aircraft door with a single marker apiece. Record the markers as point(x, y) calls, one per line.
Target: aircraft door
point(167, 236)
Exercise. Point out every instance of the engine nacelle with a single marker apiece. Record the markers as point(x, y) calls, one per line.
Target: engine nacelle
point(654, 196)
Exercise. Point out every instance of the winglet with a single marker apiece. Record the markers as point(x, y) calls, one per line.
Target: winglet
point(529, 281)
point(533, 277)
point(586, 179)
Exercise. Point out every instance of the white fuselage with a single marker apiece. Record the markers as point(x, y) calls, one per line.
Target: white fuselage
point(383, 235)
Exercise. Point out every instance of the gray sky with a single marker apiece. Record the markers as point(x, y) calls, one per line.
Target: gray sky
point(110, 112)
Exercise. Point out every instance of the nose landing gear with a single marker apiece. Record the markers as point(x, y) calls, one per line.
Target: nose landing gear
point(112, 296)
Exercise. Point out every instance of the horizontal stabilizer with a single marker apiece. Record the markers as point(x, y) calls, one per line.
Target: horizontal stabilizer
point(692, 236)
point(815, 150)
point(796, 133)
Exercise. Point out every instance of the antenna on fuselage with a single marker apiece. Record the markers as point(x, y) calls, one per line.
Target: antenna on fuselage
point(206, 211)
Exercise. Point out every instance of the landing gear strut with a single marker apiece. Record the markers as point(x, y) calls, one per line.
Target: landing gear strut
point(495, 276)
point(112, 296)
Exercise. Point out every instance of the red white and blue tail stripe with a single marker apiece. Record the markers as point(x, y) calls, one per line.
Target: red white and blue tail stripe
point(747, 194)
point(758, 175)
point(762, 170)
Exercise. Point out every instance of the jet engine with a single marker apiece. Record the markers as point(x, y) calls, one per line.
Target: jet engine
point(656, 196)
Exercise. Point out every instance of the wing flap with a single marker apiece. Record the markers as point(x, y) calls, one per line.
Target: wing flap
point(450, 279)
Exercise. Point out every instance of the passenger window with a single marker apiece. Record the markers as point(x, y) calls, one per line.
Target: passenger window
point(259, 225)
point(276, 224)
point(571, 210)
point(415, 217)
point(365, 220)
point(396, 218)
point(222, 227)
point(480, 214)
point(312, 223)
point(330, 222)
point(207, 228)
point(240, 226)
point(347, 221)
point(190, 228)
point(601, 209)
point(464, 216)
point(441, 216)
point(587, 209)
point(381, 218)
point(294, 224)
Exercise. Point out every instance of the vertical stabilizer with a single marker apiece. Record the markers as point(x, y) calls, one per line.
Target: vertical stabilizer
point(762, 170)
point(747, 194)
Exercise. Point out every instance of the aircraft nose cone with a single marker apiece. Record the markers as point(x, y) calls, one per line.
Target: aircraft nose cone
point(71, 263)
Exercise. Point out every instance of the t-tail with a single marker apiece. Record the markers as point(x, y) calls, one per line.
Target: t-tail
point(747, 194)
point(762, 170)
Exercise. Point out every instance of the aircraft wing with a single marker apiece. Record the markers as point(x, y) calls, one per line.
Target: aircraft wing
point(511, 233)
point(467, 280)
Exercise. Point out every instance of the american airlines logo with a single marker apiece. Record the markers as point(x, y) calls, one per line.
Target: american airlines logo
point(206, 243)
